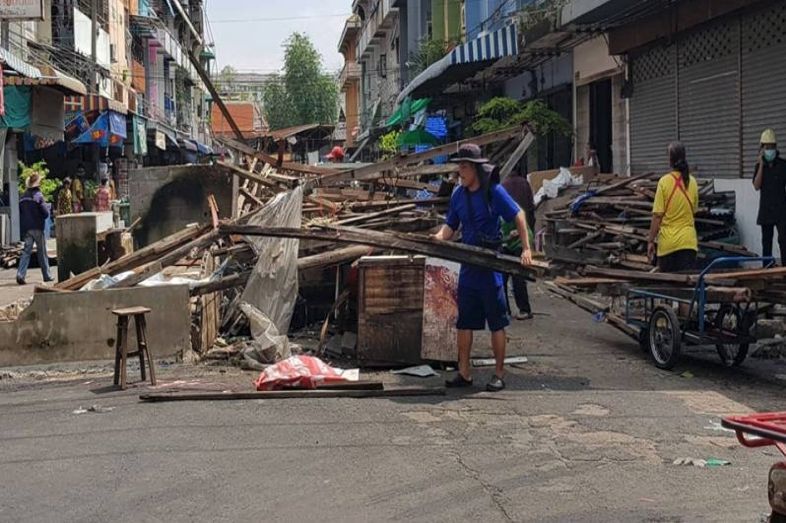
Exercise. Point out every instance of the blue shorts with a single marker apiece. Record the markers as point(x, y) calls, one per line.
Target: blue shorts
point(476, 307)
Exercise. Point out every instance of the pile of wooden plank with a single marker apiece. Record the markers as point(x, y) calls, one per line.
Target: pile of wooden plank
point(608, 226)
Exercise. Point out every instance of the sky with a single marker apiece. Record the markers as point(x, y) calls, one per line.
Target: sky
point(249, 33)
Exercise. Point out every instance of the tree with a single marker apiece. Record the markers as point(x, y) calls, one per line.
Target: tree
point(501, 112)
point(304, 93)
point(226, 76)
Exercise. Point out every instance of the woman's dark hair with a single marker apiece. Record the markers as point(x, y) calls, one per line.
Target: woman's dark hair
point(678, 162)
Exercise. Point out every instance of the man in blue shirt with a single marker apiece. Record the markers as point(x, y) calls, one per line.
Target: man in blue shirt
point(33, 212)
point(476, 208)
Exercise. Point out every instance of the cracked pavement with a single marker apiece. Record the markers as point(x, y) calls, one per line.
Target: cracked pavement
point(586, 431)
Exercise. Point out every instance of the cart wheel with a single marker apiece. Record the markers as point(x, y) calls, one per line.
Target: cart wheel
point(644, 338)
point(665, 337)
point(730, 319)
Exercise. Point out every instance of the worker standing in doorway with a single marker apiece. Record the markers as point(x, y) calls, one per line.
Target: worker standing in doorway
point(520, 190)
point(769, 179)
point(476, 208)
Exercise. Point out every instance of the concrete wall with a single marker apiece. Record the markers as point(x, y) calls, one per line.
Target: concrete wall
point(169, 198)
point(747, 205)
point(79, 326)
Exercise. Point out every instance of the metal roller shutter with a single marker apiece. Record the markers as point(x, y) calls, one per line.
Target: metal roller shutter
point(709, 94)
point(653, 108)
point(763, 79)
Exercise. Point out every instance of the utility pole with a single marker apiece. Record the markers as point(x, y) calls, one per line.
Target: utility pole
point(94, 41)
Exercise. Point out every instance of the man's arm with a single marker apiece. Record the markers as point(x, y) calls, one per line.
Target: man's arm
point(657, 219)
point(445, 234)
point(521, 226)
point(42, 206)
point(758, 178)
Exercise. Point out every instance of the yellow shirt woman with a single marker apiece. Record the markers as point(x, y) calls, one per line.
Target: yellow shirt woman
point(678, 205)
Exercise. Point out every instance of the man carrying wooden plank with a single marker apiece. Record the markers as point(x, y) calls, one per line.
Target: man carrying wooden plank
point(476, 208)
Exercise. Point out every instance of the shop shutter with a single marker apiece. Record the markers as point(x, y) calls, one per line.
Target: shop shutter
point(763, 79)
point(653, 108)
point(709, 99)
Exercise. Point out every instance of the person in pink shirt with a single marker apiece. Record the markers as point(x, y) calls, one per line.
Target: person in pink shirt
point(103, 196)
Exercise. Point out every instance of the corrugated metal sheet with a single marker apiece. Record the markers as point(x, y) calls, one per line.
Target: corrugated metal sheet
point(653, 108)
point(763, 79)
point(709, 100)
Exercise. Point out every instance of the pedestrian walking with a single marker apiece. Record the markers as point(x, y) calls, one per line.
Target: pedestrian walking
point(33, 212)
point(769, 179)
point(520, 190)
point(476, 208)
point(673, 224)
point(103, 196)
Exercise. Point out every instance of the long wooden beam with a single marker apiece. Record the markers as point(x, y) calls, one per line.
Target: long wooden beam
point(376, 170)
point(396, 242)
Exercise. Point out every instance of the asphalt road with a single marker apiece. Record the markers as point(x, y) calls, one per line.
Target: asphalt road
point(587, 431)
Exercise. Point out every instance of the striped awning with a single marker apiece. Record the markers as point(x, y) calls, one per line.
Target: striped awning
point(463, 61)
point(491, 46)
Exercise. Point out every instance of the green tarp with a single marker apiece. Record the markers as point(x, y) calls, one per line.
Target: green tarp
point(18, 104)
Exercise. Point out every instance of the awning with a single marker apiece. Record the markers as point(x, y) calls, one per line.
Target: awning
point(18, 64)
point(462, 61)
point(603, 14)
point(109, 130)
point(50, 77)
point(407, 108)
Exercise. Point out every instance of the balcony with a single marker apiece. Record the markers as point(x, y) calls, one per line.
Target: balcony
point(380, 19)
point(346, 44)
point(349, 73)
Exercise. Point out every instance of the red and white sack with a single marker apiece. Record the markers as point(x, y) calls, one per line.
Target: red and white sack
point(302, 372)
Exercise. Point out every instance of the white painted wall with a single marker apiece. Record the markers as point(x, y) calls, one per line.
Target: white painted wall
point(592, 59)
point(747, 209)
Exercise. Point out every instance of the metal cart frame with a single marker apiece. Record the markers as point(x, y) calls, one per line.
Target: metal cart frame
point(730, 326)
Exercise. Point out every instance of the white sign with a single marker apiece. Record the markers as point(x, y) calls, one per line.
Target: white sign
point(22, 9)
point(160, 140)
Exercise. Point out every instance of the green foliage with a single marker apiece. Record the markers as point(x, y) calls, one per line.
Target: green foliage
point(49, 186)
point(538, 12)
point(303, 94)
point(227, 75)
point(429, 52)
point(500, 112)
point(388, 144)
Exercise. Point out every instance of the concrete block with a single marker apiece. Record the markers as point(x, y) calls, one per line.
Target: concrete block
point(79, 326)
point(168, 198)
point(77, 245)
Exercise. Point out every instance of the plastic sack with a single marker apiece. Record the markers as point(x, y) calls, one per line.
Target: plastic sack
point(551, 188)
point(302, 372)
point(268, 346)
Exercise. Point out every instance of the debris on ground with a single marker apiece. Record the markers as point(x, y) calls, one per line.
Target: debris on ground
point(302, 372)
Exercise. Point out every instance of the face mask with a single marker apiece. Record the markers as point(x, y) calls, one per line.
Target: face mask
point(769, 154)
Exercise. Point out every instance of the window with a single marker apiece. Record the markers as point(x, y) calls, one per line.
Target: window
point(383, 66)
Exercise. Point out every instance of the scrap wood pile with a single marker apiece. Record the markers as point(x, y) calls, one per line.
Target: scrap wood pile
point(608, 226)
point(9, 256)
point(597, 242)
point(388, 207)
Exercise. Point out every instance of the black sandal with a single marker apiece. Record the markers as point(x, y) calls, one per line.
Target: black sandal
point(458, 381)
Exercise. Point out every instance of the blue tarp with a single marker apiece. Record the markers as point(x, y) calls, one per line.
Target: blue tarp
point(109, 130)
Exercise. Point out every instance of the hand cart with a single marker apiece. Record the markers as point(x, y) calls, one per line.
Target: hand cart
point(663, 331)
point(767, 429)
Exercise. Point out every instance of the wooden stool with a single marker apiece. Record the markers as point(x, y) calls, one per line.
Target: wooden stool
point(121, 345)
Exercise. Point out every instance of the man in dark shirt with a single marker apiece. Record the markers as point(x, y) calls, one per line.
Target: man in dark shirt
point(770, 180)
point(476, 207)
point(33, 212)
point(519, 189)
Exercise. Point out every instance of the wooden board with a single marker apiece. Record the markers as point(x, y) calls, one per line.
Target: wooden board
point(440, 310)
point(536, 178)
